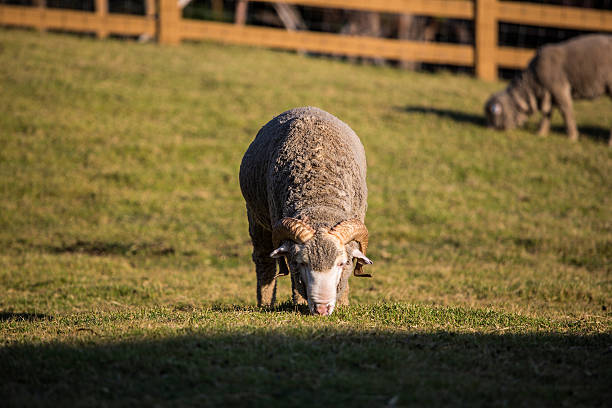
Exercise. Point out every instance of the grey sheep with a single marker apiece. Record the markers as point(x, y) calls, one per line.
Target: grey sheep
point(580, 68)
point(304, 182)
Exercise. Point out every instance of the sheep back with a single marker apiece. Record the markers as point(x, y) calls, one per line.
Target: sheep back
point(305, 163)
point(584, 63)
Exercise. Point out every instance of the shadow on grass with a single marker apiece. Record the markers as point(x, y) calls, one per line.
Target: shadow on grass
point(297, 366)
point(30, 317)
point(284, 307)
point(99, 248)
point(595, 133)
point(455, 115)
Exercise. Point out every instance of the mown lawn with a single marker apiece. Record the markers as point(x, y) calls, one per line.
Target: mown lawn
point(125, 271)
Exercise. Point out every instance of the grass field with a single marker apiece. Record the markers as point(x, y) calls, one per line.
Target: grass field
point(125, 271)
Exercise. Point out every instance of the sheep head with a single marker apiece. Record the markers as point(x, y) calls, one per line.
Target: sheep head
point(321, 257)
point(504, 112)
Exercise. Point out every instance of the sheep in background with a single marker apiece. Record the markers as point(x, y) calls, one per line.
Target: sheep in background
point(304, 182)
point(580, 68)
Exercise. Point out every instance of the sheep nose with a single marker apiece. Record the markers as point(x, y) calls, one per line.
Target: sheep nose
point(323, 309)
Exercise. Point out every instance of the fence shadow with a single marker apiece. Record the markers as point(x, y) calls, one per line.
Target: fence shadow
point(455, 115)
point(298, 366)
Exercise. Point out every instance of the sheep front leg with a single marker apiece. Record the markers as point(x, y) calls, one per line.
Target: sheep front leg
point(266, 281)
point(265, 266)
point(564, 100)
point(546, 109)
point(343, 286)
point(570, 122)
point(298, 291)
point(610, 95)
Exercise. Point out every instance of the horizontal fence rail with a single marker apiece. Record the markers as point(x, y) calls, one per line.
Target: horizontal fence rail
point(461, 9)
point(79, 21)
point(163, 20)
point(438, 53)
point(555, 16)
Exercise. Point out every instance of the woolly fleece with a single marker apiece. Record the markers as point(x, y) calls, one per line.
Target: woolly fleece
point(306, 164)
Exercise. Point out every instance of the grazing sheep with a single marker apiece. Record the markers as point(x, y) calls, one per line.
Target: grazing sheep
point(304, 182)
point(580, 68)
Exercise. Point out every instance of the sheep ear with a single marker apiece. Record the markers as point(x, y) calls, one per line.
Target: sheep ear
point(282, 250)
point(361, 258)
point(361, 261)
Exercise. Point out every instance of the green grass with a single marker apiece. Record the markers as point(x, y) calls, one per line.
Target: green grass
point(125, 271)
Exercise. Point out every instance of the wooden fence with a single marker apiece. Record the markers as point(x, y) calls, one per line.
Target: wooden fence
point(163, 20)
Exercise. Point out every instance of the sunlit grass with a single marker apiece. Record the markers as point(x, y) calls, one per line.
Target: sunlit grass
point(125, 257)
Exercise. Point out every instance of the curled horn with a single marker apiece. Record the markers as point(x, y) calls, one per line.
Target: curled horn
point(293, 229)
point(353, 230)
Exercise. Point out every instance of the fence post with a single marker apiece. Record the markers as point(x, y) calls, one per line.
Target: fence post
point(101, 13)
point(217, 7)
point(169, 19)
point(485, 51)
point(41, 5)
point(241, 12)
point(150, 8)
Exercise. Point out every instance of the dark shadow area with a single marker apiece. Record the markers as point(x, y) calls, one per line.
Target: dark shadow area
point(283, 307)
point(99, 248)
point(457, 116)
point(30, 317)
point(595, 133)
point(298, 367)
